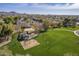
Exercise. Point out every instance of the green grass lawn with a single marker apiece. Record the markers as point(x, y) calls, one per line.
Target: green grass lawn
point(15, 46)
point(52, 42)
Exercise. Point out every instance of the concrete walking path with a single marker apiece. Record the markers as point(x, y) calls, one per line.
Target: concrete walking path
point(76, 32)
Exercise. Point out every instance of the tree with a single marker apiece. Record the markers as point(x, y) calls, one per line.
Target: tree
point(66, 22)
point(5, 30)
point(73, 22)
point(8, 20)
point(69, 22)
point(16, 18)
point(46, 24)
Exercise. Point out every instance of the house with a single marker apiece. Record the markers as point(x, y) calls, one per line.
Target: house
point(28, 33)
point(77, 21)
point(3, 39)
point(39, 26)
point(21, 24)
point(29, 30)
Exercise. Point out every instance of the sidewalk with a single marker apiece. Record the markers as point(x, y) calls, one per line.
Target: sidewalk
point(6, 42)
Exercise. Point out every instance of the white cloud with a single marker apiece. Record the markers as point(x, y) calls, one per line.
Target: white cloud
point(57, 6)
point(74, 6)
point(66, 9)
point(67, 6)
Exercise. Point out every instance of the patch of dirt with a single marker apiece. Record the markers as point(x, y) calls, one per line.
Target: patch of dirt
point(29, 44)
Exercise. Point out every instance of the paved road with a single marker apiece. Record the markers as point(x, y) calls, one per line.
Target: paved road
point(76, 32)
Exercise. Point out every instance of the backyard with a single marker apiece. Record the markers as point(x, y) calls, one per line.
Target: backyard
point(53, 42)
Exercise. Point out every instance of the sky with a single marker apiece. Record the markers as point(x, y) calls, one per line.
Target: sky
point(42, 8)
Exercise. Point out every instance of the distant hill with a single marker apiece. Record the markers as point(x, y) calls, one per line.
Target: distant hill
point(9, 13)
point(12, 13)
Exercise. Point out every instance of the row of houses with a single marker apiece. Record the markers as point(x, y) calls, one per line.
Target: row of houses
point(28, 30)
